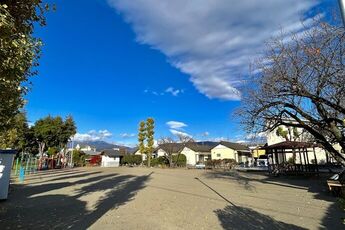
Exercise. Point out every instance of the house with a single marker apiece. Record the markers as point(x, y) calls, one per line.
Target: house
point(230, 150)
point(167, 148)
point(92, 157)
point(111, 157)
point(197, 152)
point(136, 151)
point(298, 135)
point(257, 151)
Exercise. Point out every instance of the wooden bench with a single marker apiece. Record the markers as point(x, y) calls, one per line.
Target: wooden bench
point(336, 183)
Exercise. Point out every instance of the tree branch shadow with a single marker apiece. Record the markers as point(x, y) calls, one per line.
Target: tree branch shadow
point(235, 217)
point(27, 209)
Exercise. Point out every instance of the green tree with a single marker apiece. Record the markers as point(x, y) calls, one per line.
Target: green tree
point(142, 137)
point(19, 53)
point(146, 138)
point(150, 126)
point(53, 132)
point(16, 136)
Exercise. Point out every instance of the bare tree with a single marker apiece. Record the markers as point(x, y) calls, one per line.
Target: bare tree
point(300, 82)
point(170, 147)
point(173, 147)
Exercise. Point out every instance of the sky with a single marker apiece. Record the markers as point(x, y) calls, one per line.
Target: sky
point(111, 64)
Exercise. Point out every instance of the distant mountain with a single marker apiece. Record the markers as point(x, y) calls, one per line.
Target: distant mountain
point(99, 145)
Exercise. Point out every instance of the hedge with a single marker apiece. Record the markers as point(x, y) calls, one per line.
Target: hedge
point(163, 161)
point(131, 159)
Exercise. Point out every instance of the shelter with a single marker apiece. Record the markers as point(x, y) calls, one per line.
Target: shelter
point(292, 157)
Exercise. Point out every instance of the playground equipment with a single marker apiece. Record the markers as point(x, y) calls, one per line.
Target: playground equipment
point(6, 160)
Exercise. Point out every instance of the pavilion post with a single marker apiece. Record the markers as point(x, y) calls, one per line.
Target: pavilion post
point(305, 162)
point(306, 152)
point(316, 165)
point(300, 159)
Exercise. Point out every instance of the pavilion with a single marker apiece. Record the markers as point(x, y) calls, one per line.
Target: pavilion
point(292, 157)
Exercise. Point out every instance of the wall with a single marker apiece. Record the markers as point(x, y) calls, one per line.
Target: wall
point(225, 153)
point(110, 161)
point(258, 152)
point(142, 155)
point(190, 155)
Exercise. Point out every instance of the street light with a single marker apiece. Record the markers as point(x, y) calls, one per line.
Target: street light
point(342, 10)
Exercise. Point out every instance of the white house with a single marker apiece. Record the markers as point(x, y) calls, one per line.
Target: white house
point(111, 157)
point(197, 152)
point(167, 148)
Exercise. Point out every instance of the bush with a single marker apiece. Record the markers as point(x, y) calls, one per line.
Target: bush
point(159, 161)
point(132, 159)
point(164, 161)
point(181, 161)
point(78, 158)
point(225, 163)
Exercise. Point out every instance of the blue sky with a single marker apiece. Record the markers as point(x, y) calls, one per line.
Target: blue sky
point(111, 64)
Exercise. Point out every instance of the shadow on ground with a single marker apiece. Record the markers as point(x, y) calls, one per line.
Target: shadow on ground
point(315, 185)
point(30, 207)
point(234, 217)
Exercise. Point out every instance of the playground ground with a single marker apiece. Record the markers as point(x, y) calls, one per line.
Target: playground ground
point(144, 198)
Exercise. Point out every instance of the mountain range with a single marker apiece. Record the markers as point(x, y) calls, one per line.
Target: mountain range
point(99, 145)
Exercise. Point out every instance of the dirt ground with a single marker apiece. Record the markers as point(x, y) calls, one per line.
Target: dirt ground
point(143, 198)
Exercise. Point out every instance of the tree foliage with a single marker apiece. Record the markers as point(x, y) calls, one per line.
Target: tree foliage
point(19, 53)
point(146, 138)
point(53, 132)
point(301, 84)
point(18, 136)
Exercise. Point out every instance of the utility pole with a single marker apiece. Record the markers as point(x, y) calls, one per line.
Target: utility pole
point(342, 10)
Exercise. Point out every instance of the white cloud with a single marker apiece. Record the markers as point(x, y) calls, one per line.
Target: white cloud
point(174, 92)
point(256, 135)
point(241, 141)
point(212, 41)
point(127, 135)
point(205, 134)
point(93, 135)
point(176, 124)
point(179, 133)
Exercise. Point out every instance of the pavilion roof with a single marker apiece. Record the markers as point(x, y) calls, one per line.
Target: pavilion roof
point(292, 145)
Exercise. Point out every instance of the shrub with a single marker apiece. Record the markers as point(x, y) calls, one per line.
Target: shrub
point(291, 161)
point(131, 159)
point(180, 160)
point(225, 163)
point(159, 161)
point(78, 158)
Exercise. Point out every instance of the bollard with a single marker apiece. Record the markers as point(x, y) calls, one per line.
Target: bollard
point(21, 174)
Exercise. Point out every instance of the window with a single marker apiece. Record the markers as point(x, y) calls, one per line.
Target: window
point(218, 154)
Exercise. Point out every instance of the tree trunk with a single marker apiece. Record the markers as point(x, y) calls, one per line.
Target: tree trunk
point(171, 163)
point(148, 160)
point(178, 155)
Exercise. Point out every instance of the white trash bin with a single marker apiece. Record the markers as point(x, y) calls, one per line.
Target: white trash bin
point(6, 160)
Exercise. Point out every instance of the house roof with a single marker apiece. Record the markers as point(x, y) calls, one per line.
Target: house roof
point(291, 145)
point(201, 146)
point(91, 152)
point(170, 147)
point(234, 146)
point(112, 153)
